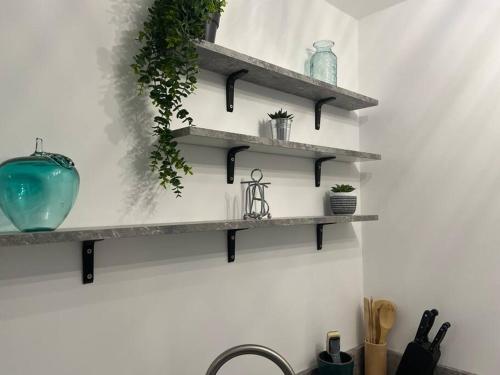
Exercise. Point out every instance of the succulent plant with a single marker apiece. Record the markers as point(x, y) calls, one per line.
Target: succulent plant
point(342, 188)
point(280, 114)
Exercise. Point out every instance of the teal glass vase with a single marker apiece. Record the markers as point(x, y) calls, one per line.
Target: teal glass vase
point(37, 192)
point(324, 62)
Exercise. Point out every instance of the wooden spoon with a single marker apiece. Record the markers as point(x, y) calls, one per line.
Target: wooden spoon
point(387, 317)
point(377, 304)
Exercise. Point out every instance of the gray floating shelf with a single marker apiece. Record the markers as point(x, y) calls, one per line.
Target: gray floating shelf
point(225, 61)
point(235, 142)
point(220, 139)
point(89, 236)
point(130, 231)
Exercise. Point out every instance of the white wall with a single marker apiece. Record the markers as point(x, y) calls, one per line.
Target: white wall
point(434, 67)
point(362, 8)
point(169, 305)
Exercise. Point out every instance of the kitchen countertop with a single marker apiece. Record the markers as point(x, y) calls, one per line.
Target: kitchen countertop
point(393, 359)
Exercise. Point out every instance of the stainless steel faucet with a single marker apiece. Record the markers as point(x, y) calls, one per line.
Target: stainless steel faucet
point(251, 350)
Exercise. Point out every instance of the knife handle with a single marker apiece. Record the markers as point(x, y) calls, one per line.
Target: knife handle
point(333, 345)
point(430, 323)
point(420, 336)
point(440, 336)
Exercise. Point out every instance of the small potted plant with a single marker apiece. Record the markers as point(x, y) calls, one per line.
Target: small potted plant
point(281, 125)
point(342, 200)
point(215, 7)
point(167, 67)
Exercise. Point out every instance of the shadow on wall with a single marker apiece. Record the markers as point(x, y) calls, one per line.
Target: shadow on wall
point(131, 114)
point(260, 95)
point(301, 170)
point(309, 52)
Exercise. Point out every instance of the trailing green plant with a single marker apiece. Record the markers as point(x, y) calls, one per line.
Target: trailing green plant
point(217, 6)
point(280, 114)
point(342, 188)
point(167, 68)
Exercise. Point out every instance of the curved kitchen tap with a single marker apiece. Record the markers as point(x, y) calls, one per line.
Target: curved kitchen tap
point(259, 350)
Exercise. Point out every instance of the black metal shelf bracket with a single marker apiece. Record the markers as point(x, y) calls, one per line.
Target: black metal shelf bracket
point(231, 79)
point(231, 160)
point(88, 249)
point(317, 169)
point(319, 235)
point(231, 244)
point(317, 110)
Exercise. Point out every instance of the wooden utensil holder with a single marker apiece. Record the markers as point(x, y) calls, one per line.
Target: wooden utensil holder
point(375, 359)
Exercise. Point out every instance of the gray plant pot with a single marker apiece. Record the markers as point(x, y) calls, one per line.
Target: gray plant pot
point(211, 27)
point(281, 128)
point(343, 203)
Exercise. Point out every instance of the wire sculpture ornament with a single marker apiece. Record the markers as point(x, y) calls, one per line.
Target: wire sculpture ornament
point(256, 206)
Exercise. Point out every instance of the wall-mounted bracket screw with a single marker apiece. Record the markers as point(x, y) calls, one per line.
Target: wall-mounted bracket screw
point(231, 244)
point(88, 250)
point(231, 160)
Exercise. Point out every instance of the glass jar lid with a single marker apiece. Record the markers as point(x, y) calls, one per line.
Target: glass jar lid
point(323, 44)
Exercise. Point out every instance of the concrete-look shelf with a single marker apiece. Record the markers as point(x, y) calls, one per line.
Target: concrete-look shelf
point(89, 236)
point(235, 142)
point(225, 61)
point(221, 139)
point(129, 231)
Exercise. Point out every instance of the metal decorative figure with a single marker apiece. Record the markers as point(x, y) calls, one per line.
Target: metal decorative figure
point(256, 206)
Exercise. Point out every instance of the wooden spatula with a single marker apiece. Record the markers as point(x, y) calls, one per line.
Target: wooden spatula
point(387, 317)
point(373, 325)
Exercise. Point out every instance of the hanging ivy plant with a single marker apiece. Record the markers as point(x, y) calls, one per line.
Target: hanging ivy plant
point(167, 68)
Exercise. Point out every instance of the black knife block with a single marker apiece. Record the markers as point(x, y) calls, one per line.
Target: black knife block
point(418, 360)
